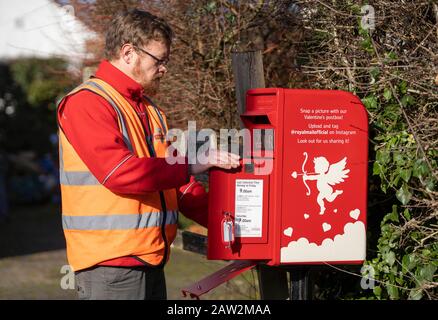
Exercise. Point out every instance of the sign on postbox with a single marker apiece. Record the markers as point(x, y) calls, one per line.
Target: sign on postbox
point(299, 196)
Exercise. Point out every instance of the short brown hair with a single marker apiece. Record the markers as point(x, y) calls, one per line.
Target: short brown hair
point(137, 27)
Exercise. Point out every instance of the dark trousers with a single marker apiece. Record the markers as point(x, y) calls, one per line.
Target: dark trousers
point(121, 283)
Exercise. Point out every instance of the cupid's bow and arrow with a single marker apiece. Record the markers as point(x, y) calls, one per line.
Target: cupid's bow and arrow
point(304, 174)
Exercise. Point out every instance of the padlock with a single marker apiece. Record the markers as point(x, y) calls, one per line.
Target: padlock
point(227, 227)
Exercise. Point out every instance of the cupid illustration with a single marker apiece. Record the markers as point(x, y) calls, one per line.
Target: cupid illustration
point(326, 175)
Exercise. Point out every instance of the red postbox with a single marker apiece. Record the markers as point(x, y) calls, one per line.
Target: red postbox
point(300, 195)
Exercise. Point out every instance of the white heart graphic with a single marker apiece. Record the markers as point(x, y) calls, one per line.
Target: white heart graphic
point(306, 216)
point(288, 231)
point(336, 210)
point(326, 227)
point(355, 214)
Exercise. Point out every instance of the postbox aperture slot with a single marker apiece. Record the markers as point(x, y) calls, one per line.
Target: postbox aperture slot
point(257, 119)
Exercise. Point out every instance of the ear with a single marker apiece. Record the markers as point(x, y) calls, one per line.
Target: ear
point(127, 53)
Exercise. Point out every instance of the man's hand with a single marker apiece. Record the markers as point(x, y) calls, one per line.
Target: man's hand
point(216, 158)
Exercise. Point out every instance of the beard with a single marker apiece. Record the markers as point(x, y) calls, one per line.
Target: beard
point(150, 87)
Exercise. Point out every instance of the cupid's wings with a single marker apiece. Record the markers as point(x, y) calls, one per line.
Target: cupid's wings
point(336, 172)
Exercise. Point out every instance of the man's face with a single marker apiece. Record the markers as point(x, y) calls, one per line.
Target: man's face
point(147, 70)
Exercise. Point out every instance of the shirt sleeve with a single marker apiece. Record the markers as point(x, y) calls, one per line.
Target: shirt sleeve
point(193, 202)
point(90, 125)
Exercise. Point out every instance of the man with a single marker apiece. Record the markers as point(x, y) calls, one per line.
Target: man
point(120, 197)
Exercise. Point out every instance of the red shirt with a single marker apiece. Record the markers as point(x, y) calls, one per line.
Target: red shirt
point(90, 124)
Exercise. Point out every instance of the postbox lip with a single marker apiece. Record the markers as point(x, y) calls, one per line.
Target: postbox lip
point(261, 91)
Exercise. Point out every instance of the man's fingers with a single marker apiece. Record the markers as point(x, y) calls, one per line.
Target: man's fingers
point(225, 159)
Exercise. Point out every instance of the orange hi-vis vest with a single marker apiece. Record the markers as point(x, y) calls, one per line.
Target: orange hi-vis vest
point(100, 225)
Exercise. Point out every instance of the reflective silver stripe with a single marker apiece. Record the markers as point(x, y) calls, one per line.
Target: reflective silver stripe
point(77, 178)
point(118, 222)
point(119, 114)
point(74, 178)
point(171, 217)
point(61, 159)
point(158, 113)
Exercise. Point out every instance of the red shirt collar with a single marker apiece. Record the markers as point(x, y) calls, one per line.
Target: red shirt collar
point(124, 84)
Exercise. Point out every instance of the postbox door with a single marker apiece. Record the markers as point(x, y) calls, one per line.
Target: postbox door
point(244, 197)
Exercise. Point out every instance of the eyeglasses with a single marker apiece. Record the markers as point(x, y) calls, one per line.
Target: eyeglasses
point(160, 62)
